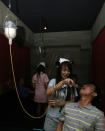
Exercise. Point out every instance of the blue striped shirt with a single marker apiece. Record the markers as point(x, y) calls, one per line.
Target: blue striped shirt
point(77, 118)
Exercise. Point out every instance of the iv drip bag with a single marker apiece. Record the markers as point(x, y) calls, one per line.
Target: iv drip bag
point(9, 29)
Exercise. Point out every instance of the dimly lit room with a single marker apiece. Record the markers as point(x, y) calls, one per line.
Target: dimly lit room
point(59, 44)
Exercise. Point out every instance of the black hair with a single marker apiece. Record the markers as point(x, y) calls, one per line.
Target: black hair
point(97, 101)
point(59, 68)
point(75, 77)
point(40, 69)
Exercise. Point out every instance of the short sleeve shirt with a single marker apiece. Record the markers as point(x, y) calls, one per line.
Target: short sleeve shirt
point(59, 95)
point(40, 89)
point(77, 118)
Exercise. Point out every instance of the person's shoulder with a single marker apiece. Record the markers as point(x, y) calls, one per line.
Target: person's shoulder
point(34, 75)
point(53, 80)
point(44, 74)
point(98, 111)
point(71, 104)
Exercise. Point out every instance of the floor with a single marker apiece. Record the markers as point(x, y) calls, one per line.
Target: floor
point(13, 118)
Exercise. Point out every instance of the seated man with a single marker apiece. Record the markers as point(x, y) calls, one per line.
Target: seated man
point(22, 90)
point(82, 116)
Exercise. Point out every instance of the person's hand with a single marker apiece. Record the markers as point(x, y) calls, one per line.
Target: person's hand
point(69, 82)
point(52, 103)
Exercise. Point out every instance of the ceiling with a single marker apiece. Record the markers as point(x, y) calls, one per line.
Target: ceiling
point(57, 15)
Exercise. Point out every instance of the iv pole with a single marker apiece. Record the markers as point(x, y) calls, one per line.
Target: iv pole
point(10, 32)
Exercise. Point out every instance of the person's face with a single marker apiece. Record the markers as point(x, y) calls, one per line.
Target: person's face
point(87, 90)
point(65, 72)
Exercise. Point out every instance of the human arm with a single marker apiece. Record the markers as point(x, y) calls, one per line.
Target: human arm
point(59, 126)
point(46, 80)
point(46, 84)
point(54, 87)
point(51, 90)
point(33, 81)
point(61, 120)
point(55, 103)
point(100, 123)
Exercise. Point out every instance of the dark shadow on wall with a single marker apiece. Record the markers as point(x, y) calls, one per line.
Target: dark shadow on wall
point(21, 35)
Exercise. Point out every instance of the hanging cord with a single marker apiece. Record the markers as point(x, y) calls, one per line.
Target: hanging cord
point(9, 5)
point(34, 117)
